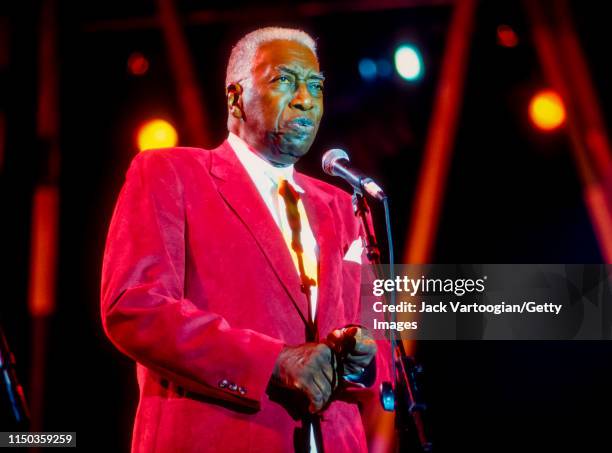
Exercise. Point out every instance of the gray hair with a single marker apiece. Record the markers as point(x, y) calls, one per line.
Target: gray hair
point(243, 53)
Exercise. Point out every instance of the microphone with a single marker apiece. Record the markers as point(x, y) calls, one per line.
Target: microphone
point(335, 163)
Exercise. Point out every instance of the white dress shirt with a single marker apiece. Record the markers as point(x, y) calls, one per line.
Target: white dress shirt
point(265, 176)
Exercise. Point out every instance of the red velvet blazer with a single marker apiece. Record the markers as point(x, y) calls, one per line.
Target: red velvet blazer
point(199, 289)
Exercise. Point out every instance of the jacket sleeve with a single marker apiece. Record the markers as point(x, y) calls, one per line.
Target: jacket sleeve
point(143, 306)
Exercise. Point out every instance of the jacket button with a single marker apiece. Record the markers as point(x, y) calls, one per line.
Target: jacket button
point(223, 383)
point(233, 387)
point(242, 390)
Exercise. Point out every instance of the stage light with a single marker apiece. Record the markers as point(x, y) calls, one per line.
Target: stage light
point(156, 133)
point(367, 69)
point(506, 36)
point(137, 64)
point(408, 62)
point(546, 110)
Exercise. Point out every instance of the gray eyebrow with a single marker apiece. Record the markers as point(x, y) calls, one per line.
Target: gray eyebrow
point(316, 75)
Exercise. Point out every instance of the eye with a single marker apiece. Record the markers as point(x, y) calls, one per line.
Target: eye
point(283, 79)
point(318, 86)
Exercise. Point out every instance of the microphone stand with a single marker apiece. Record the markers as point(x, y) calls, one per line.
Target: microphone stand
point(405, 368)
point(13, 390)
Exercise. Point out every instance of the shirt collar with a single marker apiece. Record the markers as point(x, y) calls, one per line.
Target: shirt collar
point(257, 167)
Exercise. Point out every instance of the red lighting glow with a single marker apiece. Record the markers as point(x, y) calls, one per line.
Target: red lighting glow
point(506, 36)
point(43, 253)
point(137, 64)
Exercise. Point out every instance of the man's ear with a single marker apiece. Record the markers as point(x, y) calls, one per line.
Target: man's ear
point(234, 100)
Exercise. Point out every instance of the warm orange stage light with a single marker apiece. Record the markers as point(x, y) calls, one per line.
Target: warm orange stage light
point(156, 133)
point(546, 110)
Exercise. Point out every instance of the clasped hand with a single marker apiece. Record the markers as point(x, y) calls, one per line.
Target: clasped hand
point(311, 367)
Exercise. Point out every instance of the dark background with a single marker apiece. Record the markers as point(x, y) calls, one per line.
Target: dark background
point(513, 197)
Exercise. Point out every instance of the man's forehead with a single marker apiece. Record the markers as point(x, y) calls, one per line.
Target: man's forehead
point(285, 54)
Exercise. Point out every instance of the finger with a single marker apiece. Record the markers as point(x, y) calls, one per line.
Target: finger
point(360, 360)
point(364, 347)
point(358, 371)
point(352, 331)
point(337, 333)
point(324, 362)
point(324, 387)
point(363, 333)
point(313, 393)
point(364, 336)
point(353, 369)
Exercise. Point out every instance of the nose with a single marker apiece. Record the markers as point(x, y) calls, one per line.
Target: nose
point(302, 99)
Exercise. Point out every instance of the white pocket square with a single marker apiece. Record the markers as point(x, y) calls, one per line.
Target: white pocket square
point(354, 252)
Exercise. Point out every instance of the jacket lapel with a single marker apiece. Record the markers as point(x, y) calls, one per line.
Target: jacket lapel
point(240, 193)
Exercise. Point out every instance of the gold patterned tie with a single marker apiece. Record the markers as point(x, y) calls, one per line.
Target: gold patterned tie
point(305, 264)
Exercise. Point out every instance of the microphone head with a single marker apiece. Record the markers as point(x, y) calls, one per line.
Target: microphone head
point(330, 158)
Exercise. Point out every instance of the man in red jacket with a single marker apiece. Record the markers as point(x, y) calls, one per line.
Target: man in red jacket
point(225, 270)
